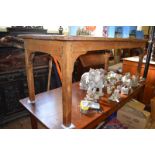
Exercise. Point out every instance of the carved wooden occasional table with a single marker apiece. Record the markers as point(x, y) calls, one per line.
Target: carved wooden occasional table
point(66, 49)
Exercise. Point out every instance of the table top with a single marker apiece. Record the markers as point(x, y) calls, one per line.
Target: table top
point(78, 38)
point(48, 108)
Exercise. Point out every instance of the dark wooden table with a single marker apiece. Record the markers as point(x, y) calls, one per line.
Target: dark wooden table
point(48, 108)
point(66, 49)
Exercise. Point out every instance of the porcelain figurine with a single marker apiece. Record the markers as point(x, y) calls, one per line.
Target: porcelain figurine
point(119, 87)
point(134, 81)
point(91, 81)
point(126, 77)
point(113, 78)
point(110, 78)
point(115, 96)
point(125, 90)
point(84, 82)
point(109, 90)
point(128, 83)
point(119, 77)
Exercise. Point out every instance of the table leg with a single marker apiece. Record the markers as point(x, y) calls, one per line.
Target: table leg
point(106, 64)
point(58, 68)
point(34, 124)
point(30, 79)
point(67, 69)
point(141, 55)
point(117, 55)
point(49, 74)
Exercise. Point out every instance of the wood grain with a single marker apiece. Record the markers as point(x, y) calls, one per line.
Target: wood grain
point(67, 49)
point(48, 108)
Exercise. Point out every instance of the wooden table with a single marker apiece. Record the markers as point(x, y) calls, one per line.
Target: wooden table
point(130, 65)
point(66, 49)
point(48, 108)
